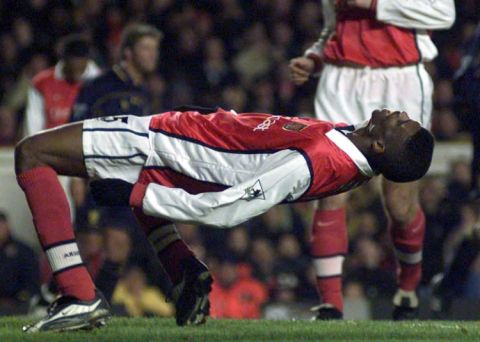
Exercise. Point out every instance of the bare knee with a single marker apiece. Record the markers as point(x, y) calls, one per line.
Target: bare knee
point(401, 205)
point(27, 155)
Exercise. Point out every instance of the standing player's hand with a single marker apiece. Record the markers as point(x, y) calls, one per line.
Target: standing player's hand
point(300, 69)
point(359, 3)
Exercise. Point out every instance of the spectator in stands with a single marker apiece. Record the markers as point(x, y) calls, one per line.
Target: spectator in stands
point(365, 267)
point(235, 293)
point(19, 273)
point(134, 296)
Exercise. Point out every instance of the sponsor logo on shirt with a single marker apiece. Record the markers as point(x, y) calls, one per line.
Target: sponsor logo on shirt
point(267, 123)
point(254, 192)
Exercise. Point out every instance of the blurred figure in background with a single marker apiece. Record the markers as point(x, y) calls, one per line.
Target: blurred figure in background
point(53, 91)
point(135, 297)
point(468, 89)
point(19, 272)
point(235, 293)
point(122, 90)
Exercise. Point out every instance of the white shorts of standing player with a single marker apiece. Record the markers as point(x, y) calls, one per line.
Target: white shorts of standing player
point(349, 94)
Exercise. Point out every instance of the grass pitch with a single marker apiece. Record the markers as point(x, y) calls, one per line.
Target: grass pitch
point(155, 329)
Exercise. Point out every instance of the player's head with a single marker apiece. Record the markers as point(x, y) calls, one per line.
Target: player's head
point(75, 55)
point(400, 148)
point(139, 47)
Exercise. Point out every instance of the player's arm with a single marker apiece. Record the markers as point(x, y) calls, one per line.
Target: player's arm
point(414, 14)
point(285, 177)
point(301, 68)
point(34, 113)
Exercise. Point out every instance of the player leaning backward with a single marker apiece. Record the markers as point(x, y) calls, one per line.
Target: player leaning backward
point(370, 55)
point(219, 169)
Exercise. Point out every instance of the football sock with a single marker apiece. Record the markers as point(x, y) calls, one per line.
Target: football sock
point(51, 217)
point(408, 242)
point(167, 243)
point(329, 245)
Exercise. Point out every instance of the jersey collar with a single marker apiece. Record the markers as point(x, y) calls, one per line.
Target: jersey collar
point(346, 145)
point(91, 71)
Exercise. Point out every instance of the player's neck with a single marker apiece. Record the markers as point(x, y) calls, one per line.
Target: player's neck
point(361, 142)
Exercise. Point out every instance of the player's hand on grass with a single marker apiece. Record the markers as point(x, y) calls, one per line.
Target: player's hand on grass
point(300, 69)
point(111, 192)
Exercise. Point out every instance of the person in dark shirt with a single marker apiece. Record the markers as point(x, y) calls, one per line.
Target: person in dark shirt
point(122, 89)
point(19, 272)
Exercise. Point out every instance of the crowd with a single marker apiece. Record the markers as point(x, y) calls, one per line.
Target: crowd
point(233, 54)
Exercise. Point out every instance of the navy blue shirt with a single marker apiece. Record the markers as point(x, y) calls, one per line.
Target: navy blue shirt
point(112, 93)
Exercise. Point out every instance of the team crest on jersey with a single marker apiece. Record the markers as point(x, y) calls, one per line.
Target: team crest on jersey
point(254, 192)
point(294, 126)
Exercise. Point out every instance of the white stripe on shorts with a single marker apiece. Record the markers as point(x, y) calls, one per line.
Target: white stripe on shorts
point(116, 147)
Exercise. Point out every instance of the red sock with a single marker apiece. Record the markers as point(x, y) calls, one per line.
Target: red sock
point(169, 246)
point(329, 246)
point(408, 243)
point(51, 217)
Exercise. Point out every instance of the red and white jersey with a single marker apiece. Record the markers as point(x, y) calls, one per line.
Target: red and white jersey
point(223, 168)
point(390, 33)
point(51, 98)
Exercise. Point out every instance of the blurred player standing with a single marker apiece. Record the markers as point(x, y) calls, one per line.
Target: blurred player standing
point(53, 92)
point(371, 54)
point(122, 90)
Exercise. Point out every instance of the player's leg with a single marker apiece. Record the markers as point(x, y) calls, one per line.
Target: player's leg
point(336, 100)
point(190, 277)
point(329, 246)
point(410, 89)
point(407, 230)
point(38, 160)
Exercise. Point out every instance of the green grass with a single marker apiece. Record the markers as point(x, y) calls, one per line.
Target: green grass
point(146, 330)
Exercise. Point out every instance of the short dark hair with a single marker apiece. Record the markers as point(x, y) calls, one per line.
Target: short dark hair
point(134, 32)
point(75, 45)
point(412, 161)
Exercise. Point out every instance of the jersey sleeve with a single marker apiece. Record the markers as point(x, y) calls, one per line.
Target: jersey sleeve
point(316, 50)
point(417, 14)
point(34, 113)
point(284, 177)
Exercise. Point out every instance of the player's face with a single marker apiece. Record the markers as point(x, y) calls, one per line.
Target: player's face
point(74, 68)
point(391, 125)
point(145, 54)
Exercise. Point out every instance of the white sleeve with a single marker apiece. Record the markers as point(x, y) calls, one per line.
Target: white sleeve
point(284, 176)
point(328, 10)
point(34, 113)
point(417, 14)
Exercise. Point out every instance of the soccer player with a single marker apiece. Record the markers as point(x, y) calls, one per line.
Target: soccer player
point(53, 92)
point(219, 169)
point(370, 55)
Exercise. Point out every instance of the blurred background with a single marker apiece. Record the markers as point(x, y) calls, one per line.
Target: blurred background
point(233, 54)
